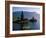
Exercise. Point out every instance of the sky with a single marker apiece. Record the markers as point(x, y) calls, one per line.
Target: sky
point(29, 11)
point(37, 10)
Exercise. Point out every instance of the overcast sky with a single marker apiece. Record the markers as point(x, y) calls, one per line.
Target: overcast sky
point(28, 14)
point(37, 10)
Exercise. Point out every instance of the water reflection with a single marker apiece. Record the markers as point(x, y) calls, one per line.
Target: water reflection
point(25, 26)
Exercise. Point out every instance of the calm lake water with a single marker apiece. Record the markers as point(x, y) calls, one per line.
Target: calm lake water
point(27, 26)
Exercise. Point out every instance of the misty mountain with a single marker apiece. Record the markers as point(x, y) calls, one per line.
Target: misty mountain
point(27, 14)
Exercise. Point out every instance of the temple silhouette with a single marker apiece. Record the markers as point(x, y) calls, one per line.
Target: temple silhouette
point(24, 20)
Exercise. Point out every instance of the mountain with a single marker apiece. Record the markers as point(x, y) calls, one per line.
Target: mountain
point(27, 14)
